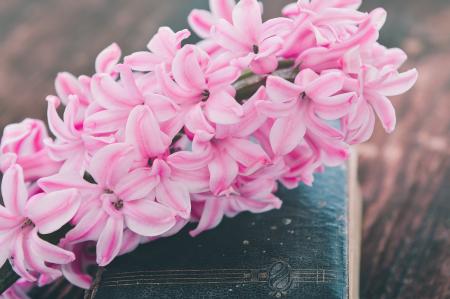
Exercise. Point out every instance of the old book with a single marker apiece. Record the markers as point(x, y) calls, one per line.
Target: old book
point(307, 249)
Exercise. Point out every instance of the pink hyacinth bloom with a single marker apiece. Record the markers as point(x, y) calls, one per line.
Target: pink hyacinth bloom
point(201, 21)
point(373, 85)
point(297, 107)
point(253, 43)
point(163, 48)
point(24, 143)
point(121, 198)
point(254, 195)
point(73, 145)
point(229, 153)
point(21, 219)
point(202, 87)
point(116, 99)
point(151, 147)
point(76, 271)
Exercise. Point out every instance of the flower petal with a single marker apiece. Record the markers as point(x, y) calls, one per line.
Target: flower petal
point(14, 191)
point(110, 241)
point(280, 90)
point(174, 195)
point(143, 132)
point(51, 211)
point(211, 216)
point(148, 218)
point(287, 133)
point(111, 163)
point(201, 22)
point(247, 18)
point(399, 83)
point(385, 111)
point(223, 171)
point(223, 109)
point(136, 185)
point(108, 59)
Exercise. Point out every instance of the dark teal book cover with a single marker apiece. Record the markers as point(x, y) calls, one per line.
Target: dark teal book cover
point(299, 251)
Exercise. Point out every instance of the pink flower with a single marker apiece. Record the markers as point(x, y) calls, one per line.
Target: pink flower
point(373, 84)
point(116, 99)
point(229, 152)
point(301, 106)
point(73, 145)
point(21, 219)
point(255, 196)
point(163, 48)
point(76, 271)
point(255, 44)
point(24, 144)
point(121, 198)
point(202, 87)
point(201, 21)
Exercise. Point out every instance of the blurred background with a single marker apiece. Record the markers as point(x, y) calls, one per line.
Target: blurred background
point(405, 176)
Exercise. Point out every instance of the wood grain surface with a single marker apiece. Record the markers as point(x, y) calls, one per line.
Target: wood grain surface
point(405, 177)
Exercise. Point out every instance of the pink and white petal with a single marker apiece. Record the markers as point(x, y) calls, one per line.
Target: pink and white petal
point(88, 228)
point(280, 90)
point(172, 89)
point(130, 241)
point(144, 133)
point(196, 181)
point(110, 241)
point(148, 218)
point(14, 190)
point(18, 263)
point(223, 170)
point(398, 84)
point(9, 221)
point(174, 195)
point(326, 85)
point(111, 163)
point(75, 275)
point(201, 22)
point(247, 18)
point(165, 43)
point(186, 68)
point(57, 126)
point(249, 154)
point(384, 109)
point(229, 38)
point(222, 8)
point(223, 77)
point(66, 180)
point(5, 250)
point(275, 26)
point(49, 252)
point(287, 133)
point(196, 122)
point(264, 65)
point(107, 121)
point(164, 107)
point(276, 110)
point(211, 216)
point(66, 84)
point(142, 61)
point(107, 59)
point(185, 160)
point(137, 184)
point(108, 93)
point(51, 211)
point(223, 109)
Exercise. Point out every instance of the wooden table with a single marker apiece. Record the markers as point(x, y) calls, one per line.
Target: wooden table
point(405, 177)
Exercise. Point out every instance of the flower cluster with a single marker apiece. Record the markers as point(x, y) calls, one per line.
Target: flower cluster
point(192, 132)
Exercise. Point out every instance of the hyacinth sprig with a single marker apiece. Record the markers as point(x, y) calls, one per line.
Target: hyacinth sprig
point(191, 132)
